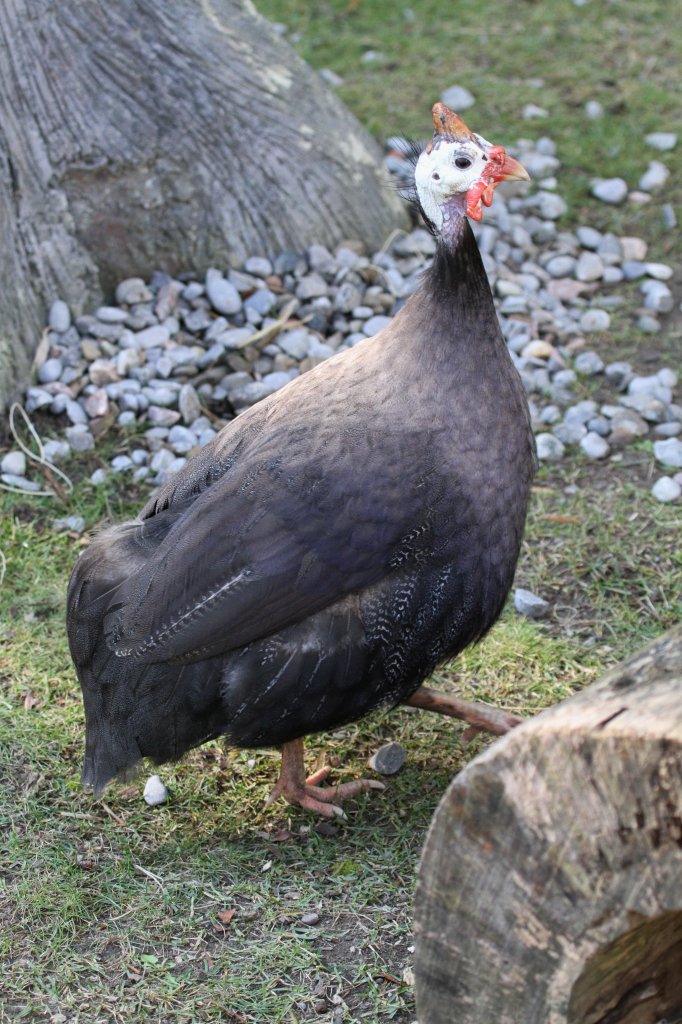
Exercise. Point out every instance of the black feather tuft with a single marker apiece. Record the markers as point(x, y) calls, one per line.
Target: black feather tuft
point(403, 181)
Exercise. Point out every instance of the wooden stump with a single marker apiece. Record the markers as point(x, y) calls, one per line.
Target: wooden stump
point(550, 886)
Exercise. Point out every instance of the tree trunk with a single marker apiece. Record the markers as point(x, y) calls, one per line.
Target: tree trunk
point(550, 886)
point(176, 135)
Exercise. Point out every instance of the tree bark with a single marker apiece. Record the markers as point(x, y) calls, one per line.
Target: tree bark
point(550, 886)
point(176, 135)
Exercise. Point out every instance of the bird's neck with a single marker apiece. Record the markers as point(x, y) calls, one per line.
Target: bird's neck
point(456, 286)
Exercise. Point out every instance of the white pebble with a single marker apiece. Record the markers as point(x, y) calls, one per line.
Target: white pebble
point(666, 489)
point(14, 463)
point(154, 791)
point(654, 177)
point(610, 190)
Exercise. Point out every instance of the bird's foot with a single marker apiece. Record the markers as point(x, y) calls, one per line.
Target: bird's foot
point(306, 792)
point(478, 716)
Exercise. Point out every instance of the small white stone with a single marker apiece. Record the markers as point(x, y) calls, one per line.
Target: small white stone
point(669, 452)
point(550, 448)
point(633, 248)
point(661, 140)
point(14, 463)
point(666, 489)
point(654, 177)
point(154, 791)
point(594, 110)
point(660, 271)
point(457, 98)
point(594, 445)
point(529, 604)
point(610, 190)
point(595, 320)
point(532, 111)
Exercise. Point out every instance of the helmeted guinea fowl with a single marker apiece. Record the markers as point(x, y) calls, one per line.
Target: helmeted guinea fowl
point(335, 542)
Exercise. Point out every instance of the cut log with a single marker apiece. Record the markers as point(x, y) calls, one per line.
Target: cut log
point(550, 886)
point(169, 136)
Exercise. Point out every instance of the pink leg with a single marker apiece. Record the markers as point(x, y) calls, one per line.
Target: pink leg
point(305, 792)
point(480, 716)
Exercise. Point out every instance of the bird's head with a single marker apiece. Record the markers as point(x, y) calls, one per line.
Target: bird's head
point(460, 166)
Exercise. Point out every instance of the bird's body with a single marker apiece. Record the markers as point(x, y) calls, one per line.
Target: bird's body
point(325, 551)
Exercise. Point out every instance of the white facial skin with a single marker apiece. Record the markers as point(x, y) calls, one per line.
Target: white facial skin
point(450, 168)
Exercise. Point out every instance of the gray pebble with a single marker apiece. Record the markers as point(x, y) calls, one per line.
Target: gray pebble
point(529, 604)
point(310, 919)
point(589, 363)
point(295, 343)
point(111, 315)
point(594, 110)
point(550, 205)
point(388, 759)
point(655, 177)
point(667, 377)
point(668, 429)
point(50, 371)
point(599, 425)
point(589, 267)
point(666, 489)
point(594, 445)
point(457, 97)
point(258, 266)
point(261, 301)
point(181, 439)
point(221, 293)
point(549, 448)
point(13, 463)
point(588, 237)
point(59, 317)
point(669, 452)
point(595, 320)
point(12, 480)
point(152, 337)
point(162, 417)
point(648, 323)
point(76, 412)
point(661, 140)
point(79, 438)
point(121, 463)
point(657, 296)
point(76, 524)
point(37, 398)
point(610, 190)
point(561, 266)
point(311, 287)
point(189, 404)
point(633, 269)
point(375, 324)
point(618, 374)
point(132, 291)
point(155, 792)
point(569, 432)
point(98, 477)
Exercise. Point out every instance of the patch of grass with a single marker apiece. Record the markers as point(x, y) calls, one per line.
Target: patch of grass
point(555, 55)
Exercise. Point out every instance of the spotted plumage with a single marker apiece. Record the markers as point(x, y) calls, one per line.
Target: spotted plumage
point(327, 550)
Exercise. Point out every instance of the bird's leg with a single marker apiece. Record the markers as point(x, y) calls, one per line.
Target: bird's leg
point(480, 716)
point(305, 792)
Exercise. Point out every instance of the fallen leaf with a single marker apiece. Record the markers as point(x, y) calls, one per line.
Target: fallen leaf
point(555, 517)
point(225, 916)
point(30, 700)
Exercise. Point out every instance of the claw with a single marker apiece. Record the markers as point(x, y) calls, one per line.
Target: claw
point(306, 792)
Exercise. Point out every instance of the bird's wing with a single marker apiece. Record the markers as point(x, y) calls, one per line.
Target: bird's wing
point(292, 525)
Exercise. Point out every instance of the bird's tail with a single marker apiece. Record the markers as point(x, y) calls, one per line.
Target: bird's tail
point(132, 709)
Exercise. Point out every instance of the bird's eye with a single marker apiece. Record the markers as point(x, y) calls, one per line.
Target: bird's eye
point(463, 162)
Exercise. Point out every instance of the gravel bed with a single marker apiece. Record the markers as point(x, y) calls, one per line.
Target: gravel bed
point(174, 357)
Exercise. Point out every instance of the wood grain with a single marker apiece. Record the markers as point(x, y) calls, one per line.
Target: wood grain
point(550, 886)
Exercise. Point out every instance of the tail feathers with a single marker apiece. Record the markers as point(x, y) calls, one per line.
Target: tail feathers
point(133, 710)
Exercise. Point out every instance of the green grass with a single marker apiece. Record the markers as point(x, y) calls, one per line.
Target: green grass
point(109, 909)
